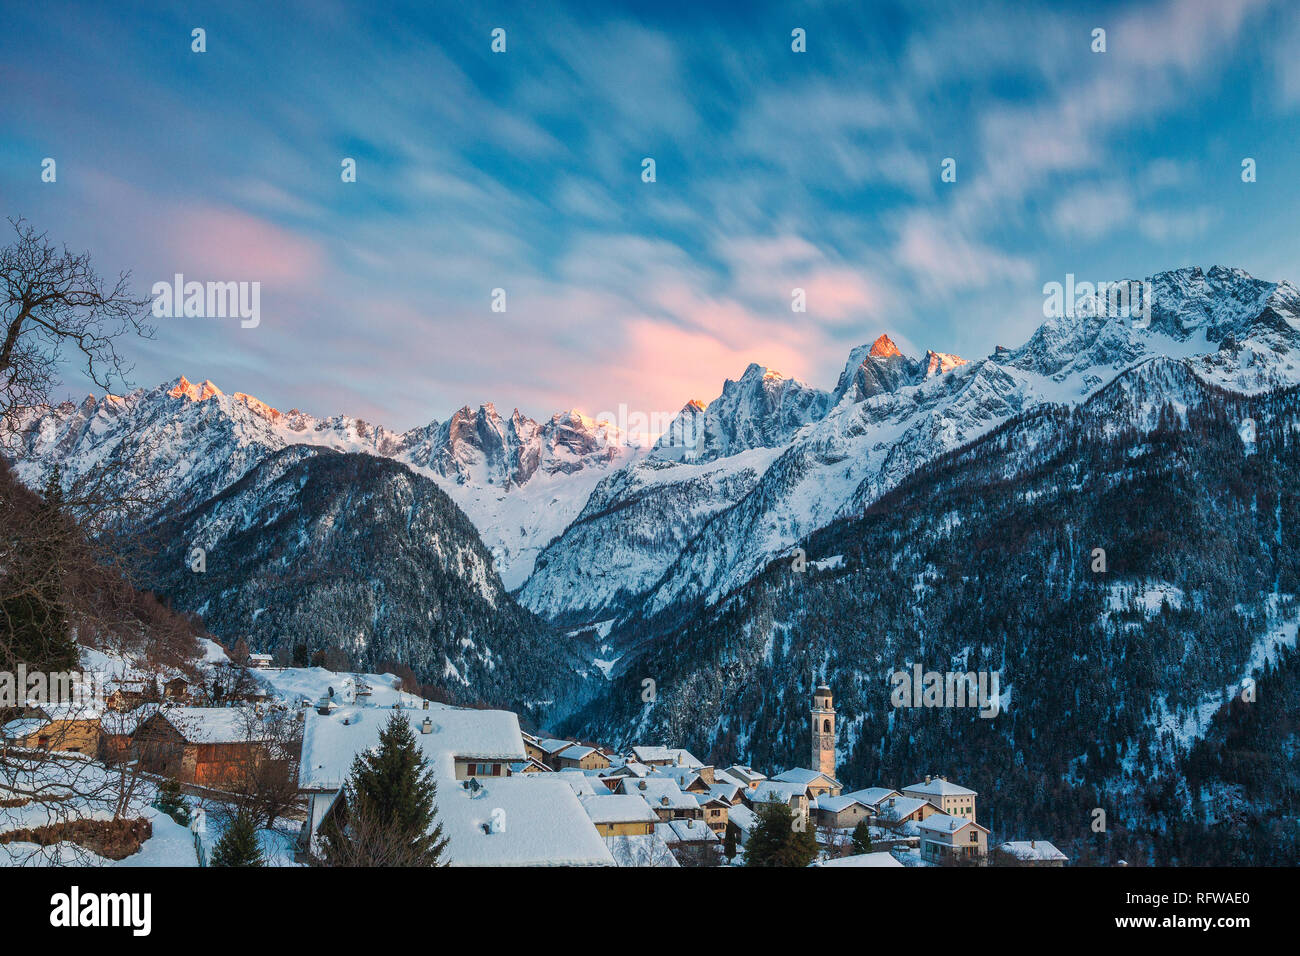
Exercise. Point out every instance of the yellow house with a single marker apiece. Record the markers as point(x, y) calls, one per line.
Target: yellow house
point(620, 814)
point(73, 728)
point(948, 797)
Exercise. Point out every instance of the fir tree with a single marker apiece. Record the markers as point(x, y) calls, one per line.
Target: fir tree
point(238, 846)
point(862, 837)
point(171, 802)
point(388, 815)
point(777, 841)
point(729, 841)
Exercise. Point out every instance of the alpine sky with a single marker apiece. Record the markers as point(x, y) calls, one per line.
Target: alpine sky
point(522, 171)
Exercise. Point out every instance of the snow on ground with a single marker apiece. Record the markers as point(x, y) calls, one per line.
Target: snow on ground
point(1188, 724)
point(1150, 596)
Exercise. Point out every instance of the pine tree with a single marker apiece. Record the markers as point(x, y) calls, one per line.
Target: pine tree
point(171, 802)
point(389, 814)
point(777, 841)
point(300, 655)
point(729, 841)
point(862, 837)
point(238, 846)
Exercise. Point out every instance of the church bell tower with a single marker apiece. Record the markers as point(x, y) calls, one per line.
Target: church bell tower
point(823, 731)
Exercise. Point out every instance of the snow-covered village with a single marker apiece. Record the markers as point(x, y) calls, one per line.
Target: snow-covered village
point(156, 775)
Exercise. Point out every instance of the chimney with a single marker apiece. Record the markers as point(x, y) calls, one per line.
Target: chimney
point(1033, 844)
point(426, 705)
point(427, 726)
point(927, 778)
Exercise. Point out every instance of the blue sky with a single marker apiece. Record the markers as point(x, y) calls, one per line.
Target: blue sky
point(522, 171)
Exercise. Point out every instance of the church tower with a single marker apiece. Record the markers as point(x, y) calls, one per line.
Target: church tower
point(823, 731)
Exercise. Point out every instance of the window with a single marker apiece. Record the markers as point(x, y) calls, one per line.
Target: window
point(826, 726)
point(974, 835)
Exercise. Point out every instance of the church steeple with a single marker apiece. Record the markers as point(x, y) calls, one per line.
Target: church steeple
point(823, 731)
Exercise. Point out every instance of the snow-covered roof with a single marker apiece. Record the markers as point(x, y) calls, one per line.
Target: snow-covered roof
point(776, 792)
point(330, 741)
point(944, 823)
point(660, 793)
point(873, 796)
point(120, 722)
point(727, 792)
point(213, 725)
point(618, 808)
point(673, 755)
point(837, 804)
point(582, 784)
point(1027, 850)
point(939, 787)
point(685, 831)
point(901, 807)
point(541, 824)
point(576, 752)
point(805, 777)
point(23, 727)
point(862, 859)
point(553, 745)
point(742, 817)
point(682, 776)
point(745, 774)
point(632, 768)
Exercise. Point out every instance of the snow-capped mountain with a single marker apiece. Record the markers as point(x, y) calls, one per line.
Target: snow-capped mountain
point(590, 529)
point(891, 415)
point(521, 483)
point(761, 409)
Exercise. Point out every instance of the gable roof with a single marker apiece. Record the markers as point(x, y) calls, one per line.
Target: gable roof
point(618, 808)
point(660, 793)
point(837, 804)
point(901, 807)
point(673, 755)
point(214, 725)
point(746, 774)
point(938, 787)
point(873, 796)
point(685, 831)
point(805, 776)
point(774, 791)
point(944, 823)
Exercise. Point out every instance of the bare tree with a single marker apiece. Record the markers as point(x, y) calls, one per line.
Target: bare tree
point(266, 782)
point(53, 302)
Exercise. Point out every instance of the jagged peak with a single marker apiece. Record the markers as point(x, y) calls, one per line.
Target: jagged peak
point(939, 362)
point(184, 388)
point(884, 347)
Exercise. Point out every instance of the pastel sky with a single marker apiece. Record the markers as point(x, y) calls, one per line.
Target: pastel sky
point(522, 171)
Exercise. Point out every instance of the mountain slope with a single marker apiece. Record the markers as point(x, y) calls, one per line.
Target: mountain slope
point(359, 553)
